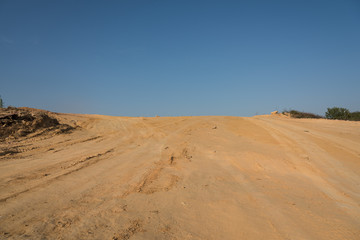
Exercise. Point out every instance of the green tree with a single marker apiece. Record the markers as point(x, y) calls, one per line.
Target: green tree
point(1, 103)
point(355, 116)
point(338, 113)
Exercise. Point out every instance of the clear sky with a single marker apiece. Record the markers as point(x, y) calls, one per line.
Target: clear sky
point(173, 58)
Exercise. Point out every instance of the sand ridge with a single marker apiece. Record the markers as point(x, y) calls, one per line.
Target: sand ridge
point(211, 177)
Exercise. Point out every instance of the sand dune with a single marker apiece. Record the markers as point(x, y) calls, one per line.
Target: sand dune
point(265, 177)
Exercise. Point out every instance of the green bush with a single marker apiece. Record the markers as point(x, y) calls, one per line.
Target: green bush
point(332, 113)
point(355, 116)
point(338, 113)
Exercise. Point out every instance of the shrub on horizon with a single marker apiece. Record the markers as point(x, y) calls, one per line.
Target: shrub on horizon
point(355, 116)
point(298, 114)
point(338, 113)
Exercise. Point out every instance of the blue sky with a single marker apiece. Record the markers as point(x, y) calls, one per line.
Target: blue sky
point(175, 58)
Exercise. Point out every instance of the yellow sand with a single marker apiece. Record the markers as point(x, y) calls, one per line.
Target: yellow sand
point(265, 177)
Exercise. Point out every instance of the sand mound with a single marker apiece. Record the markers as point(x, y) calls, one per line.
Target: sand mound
point(213, 177)
point(20, 122)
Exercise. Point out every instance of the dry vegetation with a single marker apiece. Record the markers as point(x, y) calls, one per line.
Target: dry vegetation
point(299, 114)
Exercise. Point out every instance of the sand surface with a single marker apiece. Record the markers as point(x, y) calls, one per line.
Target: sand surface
point(265, 177)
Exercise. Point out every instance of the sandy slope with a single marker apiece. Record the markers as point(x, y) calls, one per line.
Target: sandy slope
point(265, 177)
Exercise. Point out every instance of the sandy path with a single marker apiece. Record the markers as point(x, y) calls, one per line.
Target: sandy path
point(185, 178)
